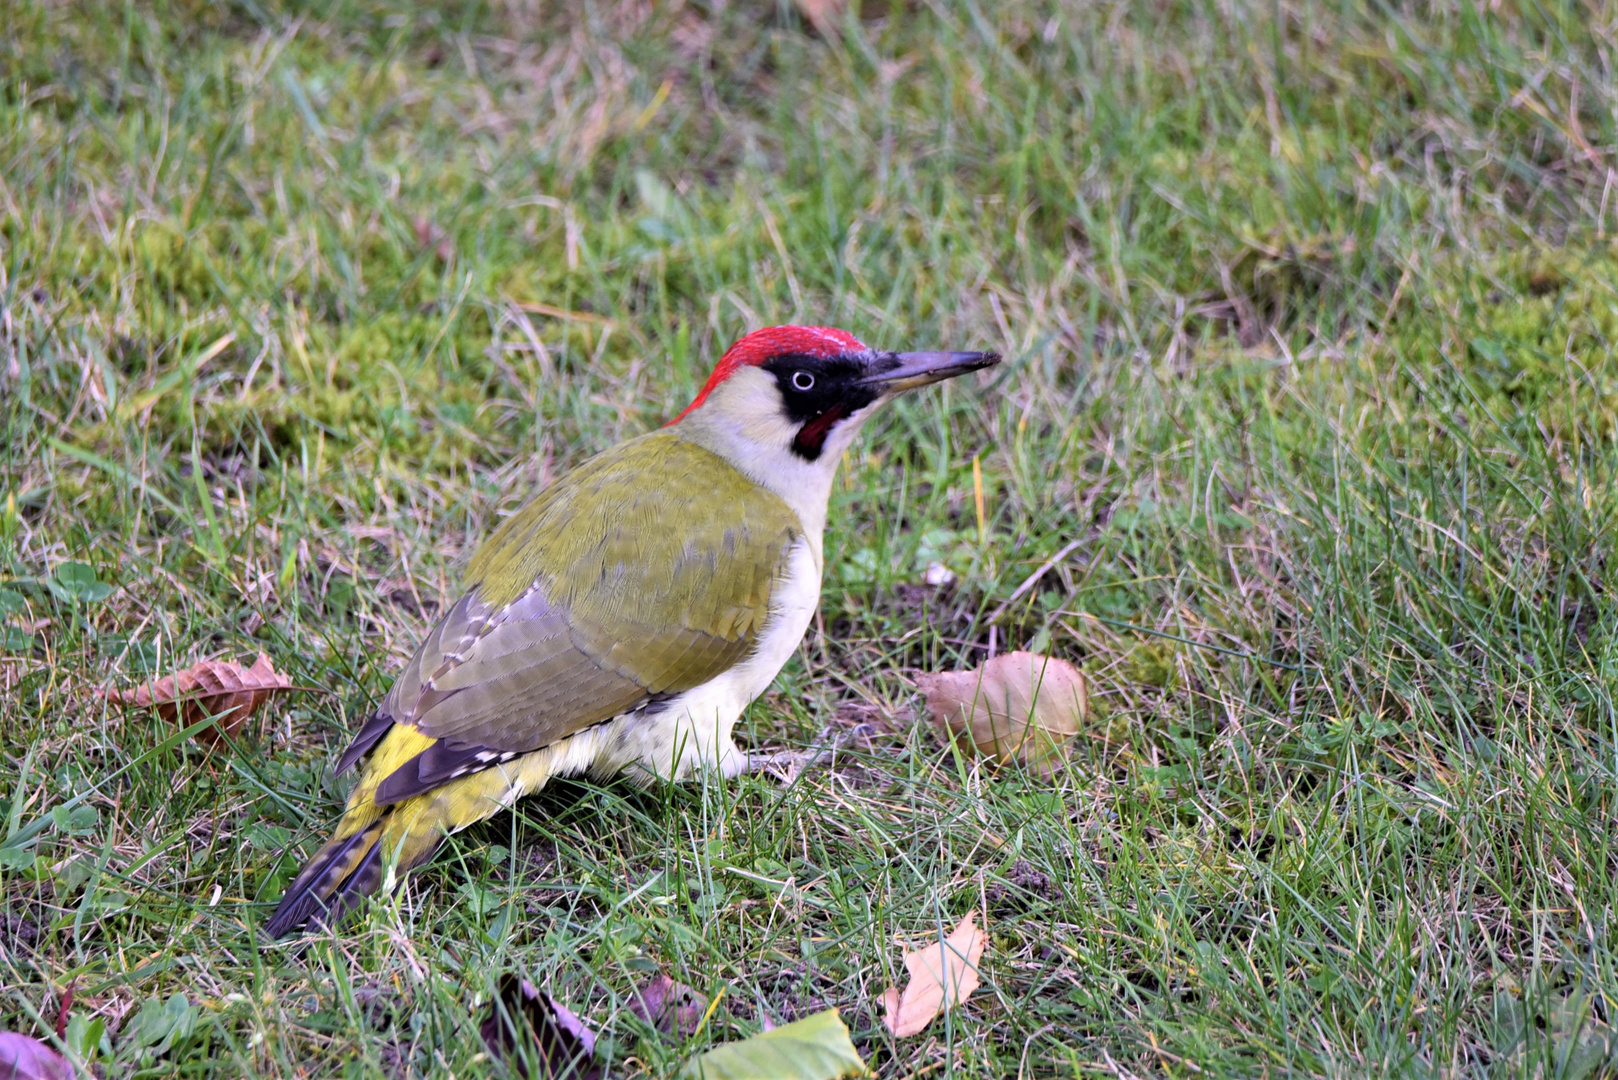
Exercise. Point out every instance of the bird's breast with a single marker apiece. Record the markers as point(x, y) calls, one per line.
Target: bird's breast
point(792, 605)
point(694, 728)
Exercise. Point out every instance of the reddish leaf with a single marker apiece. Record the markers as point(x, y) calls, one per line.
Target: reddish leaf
point(211, 688)
point(23, 1057)
point(669, 1006)
point(556, 1040)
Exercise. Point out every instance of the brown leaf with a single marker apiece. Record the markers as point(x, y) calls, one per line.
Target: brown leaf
point(23, 1057)
point(942, 975)
point(669, 1006)
point(219, 688)
point(1020, 705)
point(555, 1039)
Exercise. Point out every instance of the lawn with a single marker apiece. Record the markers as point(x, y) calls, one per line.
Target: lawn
point(1308, 313)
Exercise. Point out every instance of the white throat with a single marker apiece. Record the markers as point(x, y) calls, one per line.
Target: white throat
point(743, 423)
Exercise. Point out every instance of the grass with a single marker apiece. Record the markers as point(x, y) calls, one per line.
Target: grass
point(1309, 313)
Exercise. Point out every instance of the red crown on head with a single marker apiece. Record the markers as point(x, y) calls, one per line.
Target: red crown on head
point(760, 345)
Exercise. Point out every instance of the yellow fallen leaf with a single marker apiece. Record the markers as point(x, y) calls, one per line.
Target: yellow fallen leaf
point(814, 1048)
point(942, 975)
point(1020, 705)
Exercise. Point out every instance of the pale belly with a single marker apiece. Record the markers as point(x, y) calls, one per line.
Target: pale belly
point(695, 729)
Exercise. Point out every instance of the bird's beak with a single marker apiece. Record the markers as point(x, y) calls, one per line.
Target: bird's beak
point(896, 372)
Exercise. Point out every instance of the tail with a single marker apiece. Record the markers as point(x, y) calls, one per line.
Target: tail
point(319, 892)
point(347, 870)
point(375, 844)
point(370, 840)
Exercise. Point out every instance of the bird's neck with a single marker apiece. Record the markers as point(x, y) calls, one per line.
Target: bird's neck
point(761, 451)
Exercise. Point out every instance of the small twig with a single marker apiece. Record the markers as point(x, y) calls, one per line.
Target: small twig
point(1033, 579)
point(1239, 654)
point(551, 310)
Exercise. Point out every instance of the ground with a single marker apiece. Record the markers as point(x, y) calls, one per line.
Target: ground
point(1308, 313)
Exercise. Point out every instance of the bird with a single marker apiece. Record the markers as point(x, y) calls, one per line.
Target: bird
point(623, 618)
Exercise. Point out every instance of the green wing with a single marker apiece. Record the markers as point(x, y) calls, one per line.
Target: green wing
point(587, 604)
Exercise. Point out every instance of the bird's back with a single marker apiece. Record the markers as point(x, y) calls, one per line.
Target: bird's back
point(586, 606)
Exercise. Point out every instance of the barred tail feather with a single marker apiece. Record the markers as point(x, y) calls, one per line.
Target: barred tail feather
point(306, 898)
point(374, 844)
point(348, 869)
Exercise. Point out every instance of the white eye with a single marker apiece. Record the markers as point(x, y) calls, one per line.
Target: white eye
point(802, 380)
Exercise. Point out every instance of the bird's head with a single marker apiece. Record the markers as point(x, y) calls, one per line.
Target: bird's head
point(797, 395)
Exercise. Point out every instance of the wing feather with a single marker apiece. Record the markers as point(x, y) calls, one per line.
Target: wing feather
point(575, 615)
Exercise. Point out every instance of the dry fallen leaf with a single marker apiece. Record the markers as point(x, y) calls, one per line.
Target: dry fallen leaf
point(1019, 705)
point(218, 688)
point(669, 1006)
point(23, 1057)
point(942, 975)
point(555, 1040)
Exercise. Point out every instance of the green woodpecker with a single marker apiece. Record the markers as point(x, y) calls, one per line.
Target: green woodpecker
point(624, 618)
